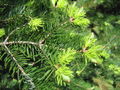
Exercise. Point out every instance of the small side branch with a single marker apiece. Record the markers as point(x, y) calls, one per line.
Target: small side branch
point(5, 43)
point(13, 32)
point(21, 69)
point(18, 42)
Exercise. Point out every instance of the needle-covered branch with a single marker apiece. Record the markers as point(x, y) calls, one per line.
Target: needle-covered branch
point(28, 79)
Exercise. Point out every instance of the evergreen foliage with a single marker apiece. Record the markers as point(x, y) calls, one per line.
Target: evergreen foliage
point(59, 45)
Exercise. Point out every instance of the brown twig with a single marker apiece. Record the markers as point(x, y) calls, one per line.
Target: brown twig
point(18, 42)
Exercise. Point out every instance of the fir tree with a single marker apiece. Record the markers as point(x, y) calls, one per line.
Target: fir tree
point(49, 43)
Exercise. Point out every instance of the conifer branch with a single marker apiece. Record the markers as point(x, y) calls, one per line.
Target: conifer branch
point(29, 80)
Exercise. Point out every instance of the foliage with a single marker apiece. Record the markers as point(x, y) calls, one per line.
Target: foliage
point(35, 23)
point(2, 32)
point(62, 44)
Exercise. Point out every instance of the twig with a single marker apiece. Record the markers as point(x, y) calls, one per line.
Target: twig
point(18, 42)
